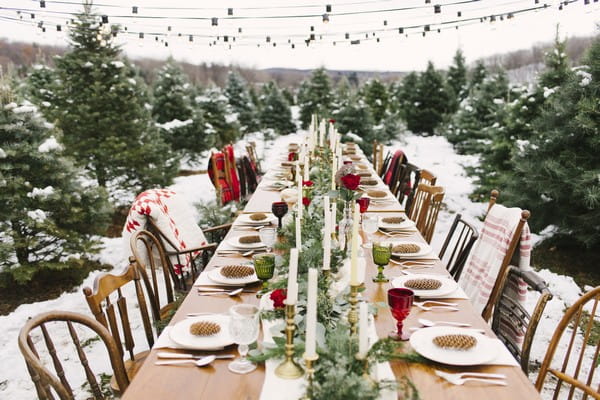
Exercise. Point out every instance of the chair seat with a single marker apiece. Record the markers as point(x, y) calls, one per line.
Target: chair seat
point(131, 367)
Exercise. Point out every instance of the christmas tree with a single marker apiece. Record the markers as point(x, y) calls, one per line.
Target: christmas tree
point(221, 124)
point(430, 102)
point(376, 96)
point(50, 209)
point(354, 117)
point(315, 97)
point(275, 113)
point(180, 121)
point(405, 93)
point(101, 108)
point(457, 81)
point(477, 75)
point(241, 103)
point(557, 173)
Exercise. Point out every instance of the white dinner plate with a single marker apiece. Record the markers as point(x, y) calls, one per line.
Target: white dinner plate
point(483, 352)
point(235, 242)
point(449, 285)
point(406, 224)
point(215, 275)
point(424, 249)
point(180, 333)
point(246, 220)
point(387, 197)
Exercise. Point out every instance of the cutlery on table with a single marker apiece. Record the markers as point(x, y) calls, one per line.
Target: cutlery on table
point(389, 234)
point(201, 362)
point(414, 264)
point(231, 293)
point(405, 272)
point(217, 289)
point(427, 322)
point(457, 379)
point(243, 253)
point(248, 227)
point(436, 305)
point(164, 354)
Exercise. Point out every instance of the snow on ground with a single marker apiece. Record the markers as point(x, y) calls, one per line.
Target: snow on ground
point(433, 153)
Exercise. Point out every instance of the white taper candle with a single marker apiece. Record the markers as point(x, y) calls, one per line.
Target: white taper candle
point(311, 314)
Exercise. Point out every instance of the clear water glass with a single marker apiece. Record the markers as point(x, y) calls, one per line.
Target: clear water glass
point(268, 236)
point(243, 329)
point(370, 224)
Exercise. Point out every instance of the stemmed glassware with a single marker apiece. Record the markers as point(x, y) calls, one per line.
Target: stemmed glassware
point(268, 236)
point(363, 205)
point(370, 223)
point(243, 328)
point(264, 265)
point(382, 253)
point(400, 301)
point(279, 209)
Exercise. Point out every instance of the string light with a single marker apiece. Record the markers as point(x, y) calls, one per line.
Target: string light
point(230, 11)
point(42, 4)
point(437, 9)
point(325, 18)
point(328, 8)
point(214, 21)
point(134, 10)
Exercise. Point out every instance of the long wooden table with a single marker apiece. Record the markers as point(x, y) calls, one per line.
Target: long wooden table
point(217, 382)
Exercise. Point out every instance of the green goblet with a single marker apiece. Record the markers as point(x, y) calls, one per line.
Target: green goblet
point(381, 256)
point(264, 265)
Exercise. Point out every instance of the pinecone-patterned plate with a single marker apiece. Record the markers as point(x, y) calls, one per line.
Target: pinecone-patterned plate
point(200, 333)
point(412, 250)
point(426, 285)
point(233, 275)
point(249, 241)
point(454, 346)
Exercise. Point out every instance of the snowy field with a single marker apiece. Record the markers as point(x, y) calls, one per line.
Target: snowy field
point(433, 153)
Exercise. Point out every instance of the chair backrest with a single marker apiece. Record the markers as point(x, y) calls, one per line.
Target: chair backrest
point(512, 323)
point(231, 171)
point(391, 175)
point(385, 164)
point(409, 183)
point(108, 303)
point(48, 383)
point(242, 175)
point(427, 177)
point(576, 371)
point(251, 150)
point(461, 238)
point(149, 256)
point(430, 200)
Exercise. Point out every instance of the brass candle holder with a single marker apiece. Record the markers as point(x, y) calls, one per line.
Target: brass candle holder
point(366, 373)
point(310, 374)
point(353, 312)
point(289, 369)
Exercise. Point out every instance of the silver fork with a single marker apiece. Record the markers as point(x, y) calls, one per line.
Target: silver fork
point(457, 379)
point(439, 305)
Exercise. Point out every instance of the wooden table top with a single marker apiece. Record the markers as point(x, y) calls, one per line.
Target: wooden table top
point(217, 382)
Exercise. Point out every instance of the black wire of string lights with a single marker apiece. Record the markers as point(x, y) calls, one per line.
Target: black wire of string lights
point(427, 27)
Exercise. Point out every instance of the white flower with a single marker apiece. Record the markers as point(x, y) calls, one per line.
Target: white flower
point(37, 215)
point(49, 144)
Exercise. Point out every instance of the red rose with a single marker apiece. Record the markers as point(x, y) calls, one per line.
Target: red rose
point(350, 181)
point(307, 183)
point(306, 201)
point(332, 121)
point(278, 296)
point(292, 156)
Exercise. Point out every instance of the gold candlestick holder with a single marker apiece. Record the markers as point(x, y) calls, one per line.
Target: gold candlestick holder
point(353, 312)
point(366, 373)
point(310, 374)
point(289, 369)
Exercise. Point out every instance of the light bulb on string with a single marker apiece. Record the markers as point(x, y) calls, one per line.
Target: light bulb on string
point(230, 11)
point(214, 21)
point(328, 8)
point(42, 4)
point(326, 18)
point(134, 10)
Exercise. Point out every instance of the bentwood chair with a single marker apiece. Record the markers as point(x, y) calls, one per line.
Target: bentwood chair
point(150, 258)
point(108, 302)
point(458, 244)
point(385, 164)
point(425, 209)
point(512, 323)
point(572, 356)
point(36, 343)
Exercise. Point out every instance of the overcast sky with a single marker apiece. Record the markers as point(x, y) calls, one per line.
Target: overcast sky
point(393, 52)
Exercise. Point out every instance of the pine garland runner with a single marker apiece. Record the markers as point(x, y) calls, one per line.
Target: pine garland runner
point(338, 374)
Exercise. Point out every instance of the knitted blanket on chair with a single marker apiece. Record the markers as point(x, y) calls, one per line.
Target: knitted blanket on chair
point(173, 217)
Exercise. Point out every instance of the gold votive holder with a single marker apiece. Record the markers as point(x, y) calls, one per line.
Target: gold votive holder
point(289, 369)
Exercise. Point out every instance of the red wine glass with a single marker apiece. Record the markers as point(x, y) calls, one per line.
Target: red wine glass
point(363, 205)
point(279, 209)
point(400, 301)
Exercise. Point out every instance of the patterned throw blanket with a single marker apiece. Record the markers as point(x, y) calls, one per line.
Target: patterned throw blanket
point(484, 262)
point(173, 217)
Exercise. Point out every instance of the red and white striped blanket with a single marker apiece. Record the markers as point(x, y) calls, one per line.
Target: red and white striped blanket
point(175, 219)
point(484, 262)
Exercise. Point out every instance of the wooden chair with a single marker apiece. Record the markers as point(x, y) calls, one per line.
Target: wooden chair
point(108, 304)
point(251, 150)
point(216, 172)
point(429, 200)
point(511, 322)
point(48, 384)
point(461, 237)
point(149, 257)
point(427, 177)
point(580, 319)
point(385, 164)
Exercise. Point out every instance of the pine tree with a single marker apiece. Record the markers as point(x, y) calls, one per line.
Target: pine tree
point(101, 109)
point(557, 173)
point(315, 97)
point(477, 75)
point(353, 116)
point(241, 102)
point(38, 85)
point(50, 210)
point(430, 102)
point(219, 126)
point(180, 121)
point(457, 81)
point(406, 93)
point(376, 96)
point(275, 113)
